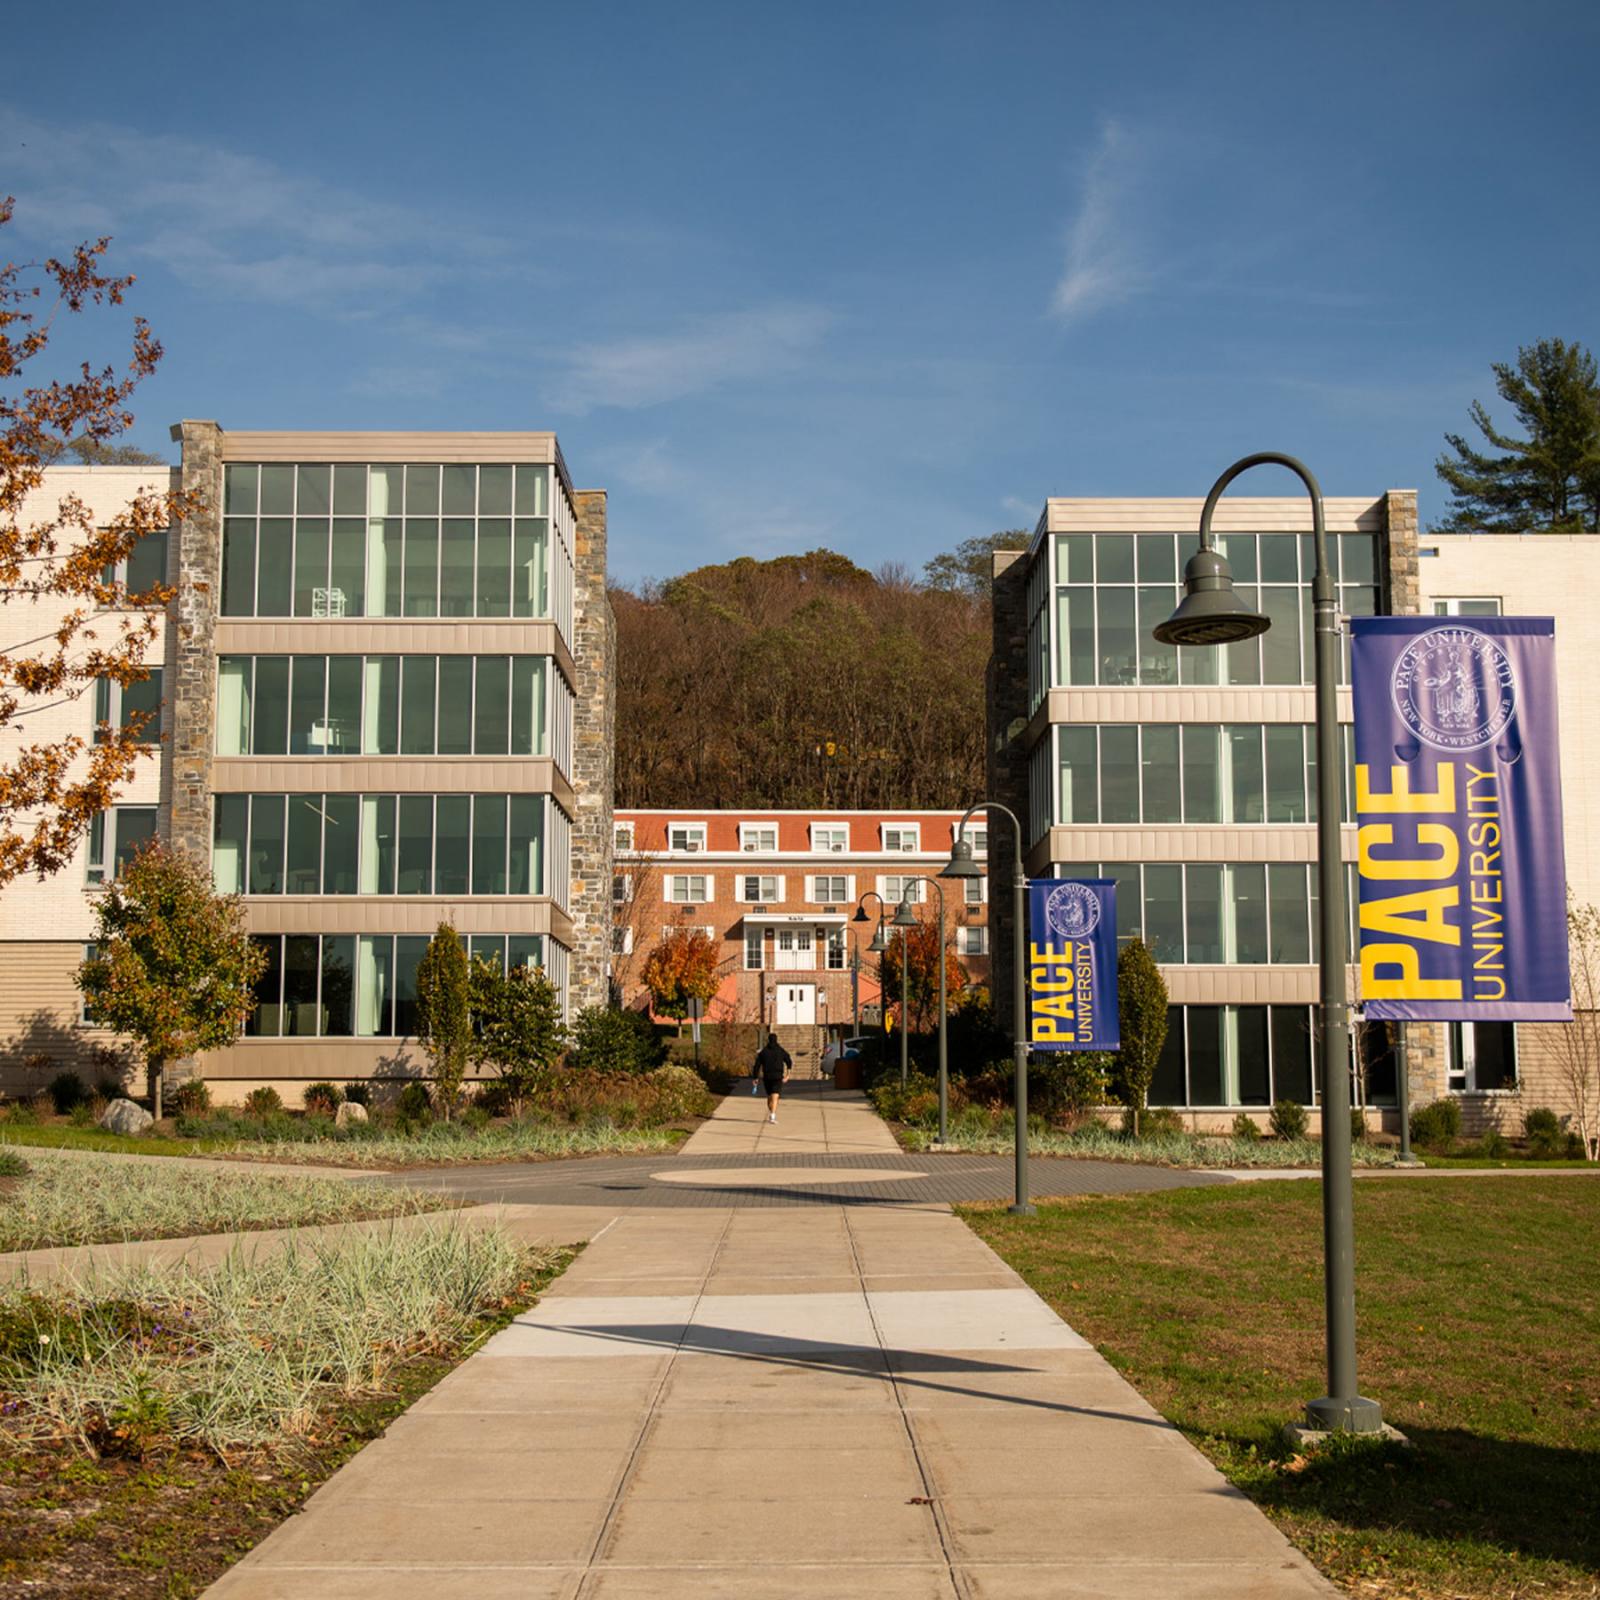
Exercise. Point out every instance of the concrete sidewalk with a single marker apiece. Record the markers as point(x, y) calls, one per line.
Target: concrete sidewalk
point(833, 1401)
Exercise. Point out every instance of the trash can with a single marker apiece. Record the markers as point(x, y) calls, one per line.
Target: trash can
point(847, 1073)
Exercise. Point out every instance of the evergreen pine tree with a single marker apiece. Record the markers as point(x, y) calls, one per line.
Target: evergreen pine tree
point(444, 1014)
point(1142, 1016)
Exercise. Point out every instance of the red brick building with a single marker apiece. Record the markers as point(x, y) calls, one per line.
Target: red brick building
point(779, 890)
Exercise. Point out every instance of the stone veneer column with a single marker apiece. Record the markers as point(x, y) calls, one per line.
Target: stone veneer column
point(191, 692)
point(593, 757)
point(1006, 763)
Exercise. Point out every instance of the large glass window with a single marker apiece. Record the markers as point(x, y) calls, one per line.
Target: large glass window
point(353, 540)
point(115, 838)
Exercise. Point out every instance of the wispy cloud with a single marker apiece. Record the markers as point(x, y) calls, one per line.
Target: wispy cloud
point(705, 353)
point(236, 225)
point(1103, 266)
point(1018, 507)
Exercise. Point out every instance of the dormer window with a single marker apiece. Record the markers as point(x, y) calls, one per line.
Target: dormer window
point(903, 838)
point(687, 838)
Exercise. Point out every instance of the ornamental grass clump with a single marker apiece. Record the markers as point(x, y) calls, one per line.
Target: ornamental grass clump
point(254, 1350)
point(86, 1198)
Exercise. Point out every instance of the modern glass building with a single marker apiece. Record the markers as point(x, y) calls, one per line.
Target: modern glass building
point(1188, 776)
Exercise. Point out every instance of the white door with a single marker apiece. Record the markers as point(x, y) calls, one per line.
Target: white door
point(797, 1005)
point(794, 950)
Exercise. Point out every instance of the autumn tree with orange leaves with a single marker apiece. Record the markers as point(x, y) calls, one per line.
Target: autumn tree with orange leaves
point(683, 967)
point(65, 623)
point(922, 957)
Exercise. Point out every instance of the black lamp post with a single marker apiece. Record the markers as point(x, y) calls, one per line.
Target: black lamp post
point(879, 944)
point(906, 918)
point(1212, 614)
point(961, 865)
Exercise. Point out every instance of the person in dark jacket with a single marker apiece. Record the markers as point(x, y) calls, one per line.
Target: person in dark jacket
point(773, 1067)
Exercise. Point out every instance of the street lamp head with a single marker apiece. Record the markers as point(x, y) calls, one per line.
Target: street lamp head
point(904, 916)
point(861, 915)
point(1210, 612)
point(880, 941)
point(961, 864)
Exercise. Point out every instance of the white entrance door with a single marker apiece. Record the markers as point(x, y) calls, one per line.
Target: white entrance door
point(794, 951)
point(797, 1005)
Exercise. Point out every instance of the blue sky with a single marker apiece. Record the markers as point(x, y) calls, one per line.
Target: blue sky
point(872, 276)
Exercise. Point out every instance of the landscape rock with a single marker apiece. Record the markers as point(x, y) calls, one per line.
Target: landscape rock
point(123, 1116)
point(349, 1112)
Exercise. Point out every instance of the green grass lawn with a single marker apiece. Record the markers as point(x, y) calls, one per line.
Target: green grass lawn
point(1479, 1320)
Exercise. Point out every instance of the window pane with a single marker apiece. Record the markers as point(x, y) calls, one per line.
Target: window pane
point(1202, 774)
point(1080, 775)
point(310, 568)
point(274, 567)
point(1280, 644)
point(378, 843)
point(1280, 558)
point(307, 732)
point(416, 705)
point(342, 733)
point(233, 705)
point(492, 706)
point(1203, 917)
point(455, 701)
point(527, 706)
point(1255, 1086)
point(386, 488)
point(1247, 784)
point(422, 491)
point(487, 947)
point(1114, 551)
point(1166, 1086)
point(239, 567)
point(1158, 663)
point(304, 872)
point(530, 559)
point(239, 490)
point(1075, 634)
point(1249, 883)
point(385, 566)
point(494, 567)
point(338, 985)
point(1163, 911)
point(1494, 1051)
point(1291, 926)
point(1291, 1054)
point(489, 844)
point(300, 972)
point(1286, 774)
point(228, 839)
point(1244, 658)
point(341, 842)
point(422, 568)
point(349, 490)
point(266, 843)
point(136, 827)
point(416, 844)
point(527, 844)
point(1075, 557)
point(270, 707)
point(1158, 558)
point(1130, 906)
point(533, 491)
point(1119, 773)
point(1200, 665)
point(313, 491)
point(1205, 1055)
point(375, 986)
point(143, 699)
point(1160, 776)
point(455, 568)
point(408, 951)
point(1119, 643)
point(1358, 558)
point(460, 491)
point(452, 843)
point(277, 490)
point(494, 491)
point(380, 729)
point(348, 569)
point(266, 1021)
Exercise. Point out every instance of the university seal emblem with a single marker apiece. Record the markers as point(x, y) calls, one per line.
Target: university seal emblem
point(1072, 910)
point(1454, 688)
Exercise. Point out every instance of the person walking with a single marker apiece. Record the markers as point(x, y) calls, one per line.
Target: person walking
point(773, 1067)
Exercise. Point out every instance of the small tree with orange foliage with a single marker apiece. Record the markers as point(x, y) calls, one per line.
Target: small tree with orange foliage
point(72, 625)
point(922, 956)
point(683, 967)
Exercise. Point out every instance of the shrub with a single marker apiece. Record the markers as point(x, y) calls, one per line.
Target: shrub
point(1246, 1128)
point(191, 1098)
point(1142, 1015)
point(1070, 1084)
point(1155, 1122)
point(915, 1102)
point(1494, 1146)
point(12, 1165)
point(358, 1094)
point(66, 1091)
point(263, 1102)
point(1288, 1120)
point(414, 1106)
point(608, 1040)
point(682, 1094)
point(23, 1113)
point(1546, 1138)
point(87, 1112)
point(1435, 1127)
point(322, 1099)
point(1358, 1125)
point(444, 1014)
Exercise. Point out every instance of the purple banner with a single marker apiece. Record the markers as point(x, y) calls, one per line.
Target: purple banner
point(1072, 964)
point(1462, 872)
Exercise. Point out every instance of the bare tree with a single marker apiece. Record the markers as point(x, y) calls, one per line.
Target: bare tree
point(1578, 1043)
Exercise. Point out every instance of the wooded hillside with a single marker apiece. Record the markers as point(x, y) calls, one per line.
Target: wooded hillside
point(802, 681)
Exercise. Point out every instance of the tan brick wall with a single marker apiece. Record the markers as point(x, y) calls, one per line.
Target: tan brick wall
point(40, 1030)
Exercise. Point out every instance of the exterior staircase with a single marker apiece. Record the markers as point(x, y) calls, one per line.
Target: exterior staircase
point(805, 1044)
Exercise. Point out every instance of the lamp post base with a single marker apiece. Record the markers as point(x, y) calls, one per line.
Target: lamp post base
point(1355, 1414)
point(1023, 1211)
